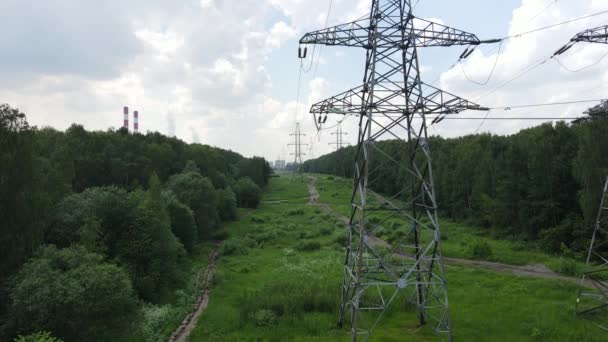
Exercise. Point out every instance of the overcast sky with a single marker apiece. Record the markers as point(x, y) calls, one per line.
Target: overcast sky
point(225, 72)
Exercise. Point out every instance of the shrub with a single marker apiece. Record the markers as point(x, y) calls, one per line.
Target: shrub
point(480, 249)
point(44, 336)
point(568, 266)
point(295, 212)
point(325, 230)
point(220, 234)
point(264, 318)
point(257, 219)
point(330, 178)
point(308, 245)
point(234, 247)
point(341, 239)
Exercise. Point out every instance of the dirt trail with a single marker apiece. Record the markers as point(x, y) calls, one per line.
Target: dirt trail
point(536, 270)
point(183, 331)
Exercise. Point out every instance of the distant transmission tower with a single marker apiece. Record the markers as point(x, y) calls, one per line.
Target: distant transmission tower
point(592, 298)
point(339, 134)
point(298, 154)
point(393, 103)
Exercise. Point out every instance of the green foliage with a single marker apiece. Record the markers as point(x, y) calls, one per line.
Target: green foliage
point(74, 294)
point(293, 212)
point(22, 204)
point(479, 249)
point(226, 204)
point(182, 221)
point(131, 227)
point(44, 336)
point(264, 318)
point(257, 169)
point(248, 193)
point(308, 245)
point(233, 247)
point(198, 193)
point(538, 184)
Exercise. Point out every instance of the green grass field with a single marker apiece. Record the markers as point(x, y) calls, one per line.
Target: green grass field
point(279, 275)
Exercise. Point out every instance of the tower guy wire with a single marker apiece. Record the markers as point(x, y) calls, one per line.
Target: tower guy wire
point(393, 103)
point(298, 154)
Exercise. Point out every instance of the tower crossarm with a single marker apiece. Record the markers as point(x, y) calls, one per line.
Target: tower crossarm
point(435, 102)
point(389, 35)
point(594, 35)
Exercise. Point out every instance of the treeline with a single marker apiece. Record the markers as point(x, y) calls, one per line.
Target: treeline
point(541, 185)
point(94, 225)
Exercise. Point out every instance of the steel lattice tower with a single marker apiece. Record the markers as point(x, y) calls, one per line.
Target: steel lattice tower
point(393, 103)
point(339, 134)
point(297, 144)
point(592, 298)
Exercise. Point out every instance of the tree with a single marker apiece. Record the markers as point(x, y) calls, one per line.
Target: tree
point(182, 220)
point(20, 198)
point(73, 293)
point(226, 204)
point(196, 192)
point(248, 193)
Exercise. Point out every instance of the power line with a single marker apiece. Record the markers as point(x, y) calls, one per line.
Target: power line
point(548, 104)
point(517, 35)
point(491, 72)
point(583, 68)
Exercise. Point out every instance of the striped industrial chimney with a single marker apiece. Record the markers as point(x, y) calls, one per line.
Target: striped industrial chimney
point(125, 117)
point(136, 121)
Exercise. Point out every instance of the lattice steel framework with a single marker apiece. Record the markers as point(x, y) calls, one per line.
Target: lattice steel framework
point(393, 103)
point(592, 298)
point(597, 35)
point(297, 153)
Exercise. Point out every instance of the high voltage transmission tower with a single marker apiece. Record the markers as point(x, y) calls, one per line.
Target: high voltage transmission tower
point(298, 154)
point(393, 103)
point(339, 134)
point(592, 298)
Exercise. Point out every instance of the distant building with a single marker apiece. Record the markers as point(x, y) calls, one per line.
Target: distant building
point(279, 165)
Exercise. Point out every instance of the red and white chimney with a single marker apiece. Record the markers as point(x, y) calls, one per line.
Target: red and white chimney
point(136, 121)
point(125, 117)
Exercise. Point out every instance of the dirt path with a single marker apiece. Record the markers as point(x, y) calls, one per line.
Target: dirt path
point(536, 270)
point(183, 331)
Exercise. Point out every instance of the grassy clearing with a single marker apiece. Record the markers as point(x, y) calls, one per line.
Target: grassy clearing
point(270, 289)
point(459, 240)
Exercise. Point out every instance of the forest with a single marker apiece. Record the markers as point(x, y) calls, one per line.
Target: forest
point(97, 227)
point(540, 186)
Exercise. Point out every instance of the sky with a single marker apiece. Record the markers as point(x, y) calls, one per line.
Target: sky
point(226, 72)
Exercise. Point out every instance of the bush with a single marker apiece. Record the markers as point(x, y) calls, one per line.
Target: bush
point(220, 234)
point(330, 178)
point(325, 230)
point(568, 266)
point(264, 318)
point(295, 212)
point(480, 249)
point(257, 219)
point(341, 239)
point(44, 336)
point(248, 193)
point(233, 247)
point(308, 245)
